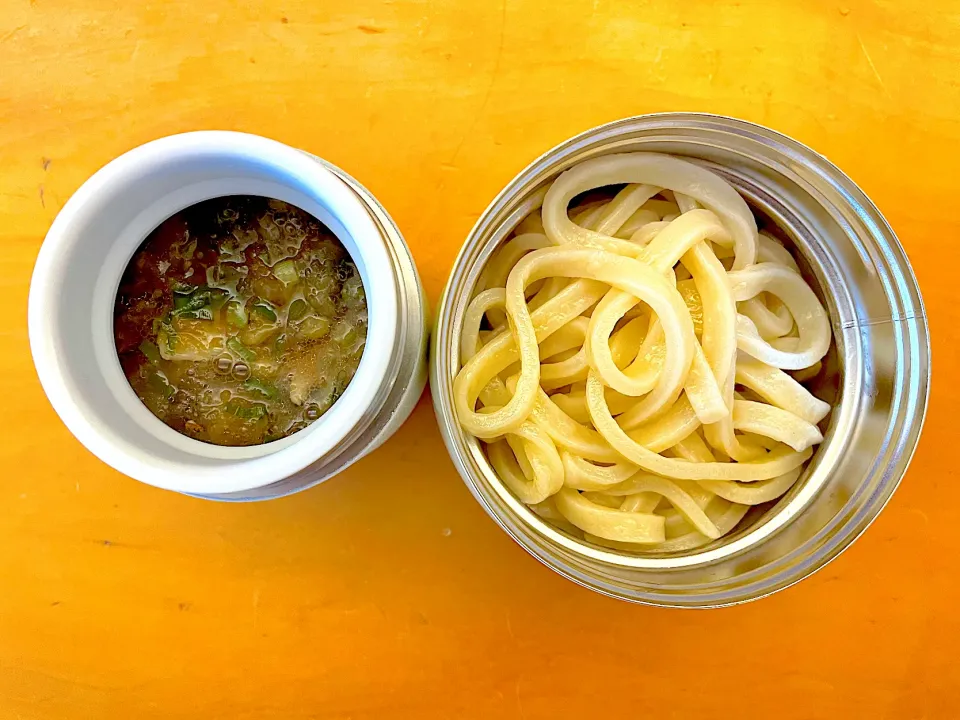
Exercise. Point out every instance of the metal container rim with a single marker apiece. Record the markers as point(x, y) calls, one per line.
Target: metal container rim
point(906, 306)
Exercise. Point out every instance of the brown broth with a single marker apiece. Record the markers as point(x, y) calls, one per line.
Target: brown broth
point(240, 320)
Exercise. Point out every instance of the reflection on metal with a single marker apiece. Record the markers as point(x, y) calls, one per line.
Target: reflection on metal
point(877, 376)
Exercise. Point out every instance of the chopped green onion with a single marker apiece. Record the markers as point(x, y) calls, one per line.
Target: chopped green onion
point(265, 310)
point(167, 338)
point(352, 289)
point(258, 334)
point(286, 272)
point(258, 386)
point(159, 383)
point(186, 303)
point(240, 349)
point(203, 313)
point(236, 314)
point(182, 288)
point(218, 298)
point(247, 412)
point(298, 308)
point(151, 351)
point(345, 334)
point(314, 328)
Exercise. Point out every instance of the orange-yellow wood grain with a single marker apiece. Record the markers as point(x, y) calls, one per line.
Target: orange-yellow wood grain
point(387, 593)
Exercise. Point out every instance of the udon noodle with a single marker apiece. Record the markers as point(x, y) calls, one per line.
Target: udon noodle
point(633, 364)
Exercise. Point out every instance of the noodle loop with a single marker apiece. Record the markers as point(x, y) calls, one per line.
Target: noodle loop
point(623, 360)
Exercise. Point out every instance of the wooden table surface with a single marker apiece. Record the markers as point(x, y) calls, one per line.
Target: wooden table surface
point(387, 592)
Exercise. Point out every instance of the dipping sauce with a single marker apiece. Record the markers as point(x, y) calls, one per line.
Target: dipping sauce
point(240, 320)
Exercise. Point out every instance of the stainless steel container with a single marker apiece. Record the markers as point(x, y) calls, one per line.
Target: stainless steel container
point(878, 374)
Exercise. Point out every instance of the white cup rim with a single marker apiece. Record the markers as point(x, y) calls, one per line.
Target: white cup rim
point(216, 469)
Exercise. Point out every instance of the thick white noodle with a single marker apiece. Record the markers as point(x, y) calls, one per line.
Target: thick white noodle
point(624, 360)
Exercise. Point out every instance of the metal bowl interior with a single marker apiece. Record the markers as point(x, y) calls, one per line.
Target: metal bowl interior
point(876, 375)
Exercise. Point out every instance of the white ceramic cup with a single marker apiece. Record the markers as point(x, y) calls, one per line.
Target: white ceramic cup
point(78, 272)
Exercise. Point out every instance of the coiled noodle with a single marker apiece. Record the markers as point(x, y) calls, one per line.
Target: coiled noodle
point(627, 361)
